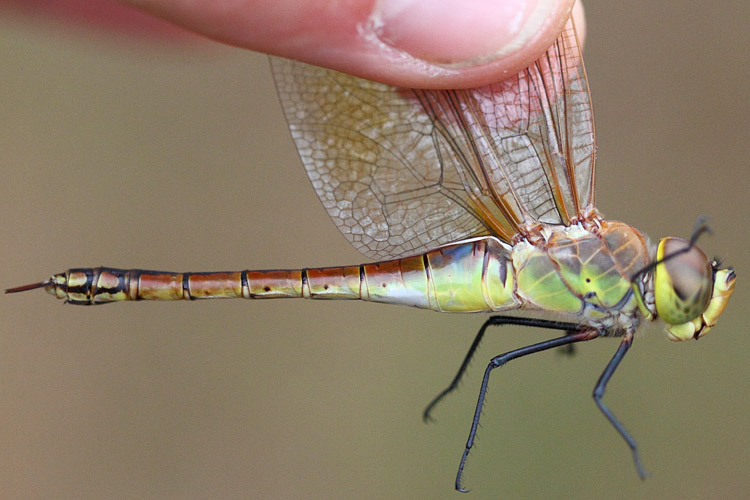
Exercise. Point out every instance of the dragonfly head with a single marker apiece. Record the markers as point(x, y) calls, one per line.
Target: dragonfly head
point(690, 291)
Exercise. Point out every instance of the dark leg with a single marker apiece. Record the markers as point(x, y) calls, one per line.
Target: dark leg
point(509, 356)
point(601, 386)
point(568, 350)
point(494, 320)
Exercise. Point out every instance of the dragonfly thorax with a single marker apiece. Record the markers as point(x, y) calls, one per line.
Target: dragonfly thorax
point(584, 272)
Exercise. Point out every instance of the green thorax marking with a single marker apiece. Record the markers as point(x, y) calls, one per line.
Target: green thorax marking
point(581, 271)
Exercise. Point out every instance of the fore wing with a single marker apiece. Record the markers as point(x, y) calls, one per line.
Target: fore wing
point(401, 171)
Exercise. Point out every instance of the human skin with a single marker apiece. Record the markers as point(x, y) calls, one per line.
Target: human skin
point(409, 43)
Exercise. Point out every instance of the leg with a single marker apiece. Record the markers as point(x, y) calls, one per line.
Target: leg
point(494, 320)
point(601, 386)
point(568, 350)
point(500, 361)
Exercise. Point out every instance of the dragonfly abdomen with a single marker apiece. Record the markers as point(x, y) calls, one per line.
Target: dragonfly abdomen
point(100, 285)
point(471, 276)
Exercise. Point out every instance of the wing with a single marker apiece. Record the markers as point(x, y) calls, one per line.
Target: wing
point(401, 171)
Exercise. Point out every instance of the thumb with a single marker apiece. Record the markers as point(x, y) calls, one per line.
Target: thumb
point(409, 43)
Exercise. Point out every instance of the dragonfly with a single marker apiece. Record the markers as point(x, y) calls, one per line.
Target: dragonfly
point(478, 200)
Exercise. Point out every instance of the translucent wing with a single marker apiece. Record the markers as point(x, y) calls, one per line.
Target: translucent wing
point(402, 171)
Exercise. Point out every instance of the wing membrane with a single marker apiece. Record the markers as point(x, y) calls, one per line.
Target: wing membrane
point(402, 171)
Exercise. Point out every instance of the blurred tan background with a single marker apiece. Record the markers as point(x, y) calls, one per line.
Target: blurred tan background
point(132, 153)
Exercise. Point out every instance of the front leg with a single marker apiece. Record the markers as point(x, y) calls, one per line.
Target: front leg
point(601, 386)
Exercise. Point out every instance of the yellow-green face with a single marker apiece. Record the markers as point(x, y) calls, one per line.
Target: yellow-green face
point(689, 293)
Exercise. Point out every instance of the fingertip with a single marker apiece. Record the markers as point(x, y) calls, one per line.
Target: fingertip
point(445, 33)
point(579, 18)
point(443, 46)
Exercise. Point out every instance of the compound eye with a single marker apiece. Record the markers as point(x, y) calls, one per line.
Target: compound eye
point(682, 284)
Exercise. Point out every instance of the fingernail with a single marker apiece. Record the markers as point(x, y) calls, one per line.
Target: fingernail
point(464, 33)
